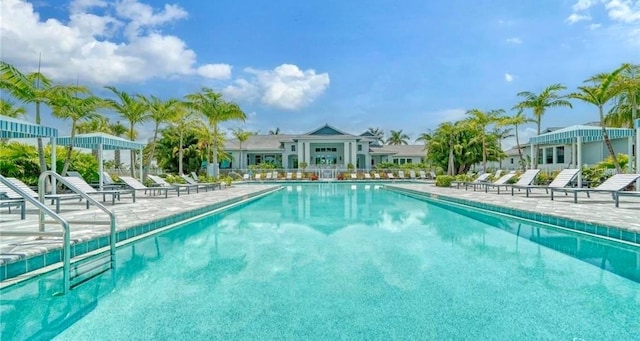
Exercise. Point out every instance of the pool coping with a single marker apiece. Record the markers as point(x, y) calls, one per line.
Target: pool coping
point(597, 230)
point(11, 270)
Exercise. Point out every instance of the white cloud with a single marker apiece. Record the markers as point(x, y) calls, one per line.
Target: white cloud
point(447, 115)
point(514, 40)
point(574, 18)
point(623, 10)
point(97, 47)
point(582, 5)
point(285, 87)
point(508, 77)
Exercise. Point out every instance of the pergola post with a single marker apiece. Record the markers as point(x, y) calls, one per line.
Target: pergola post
point(100, 166)
point(533, 147)
point(579, 158)
point(637, 124)
point(53, 164)
point(141, 179)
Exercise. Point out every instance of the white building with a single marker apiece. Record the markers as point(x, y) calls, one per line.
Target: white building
point(322, 148)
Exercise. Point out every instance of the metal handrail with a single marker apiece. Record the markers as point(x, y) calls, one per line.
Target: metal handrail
point(112, 216)
point(66, 234)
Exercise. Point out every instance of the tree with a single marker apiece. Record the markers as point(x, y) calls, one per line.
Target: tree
point(31, 88)
point(119, 130)
point(598, 95)
point(625, 110)
point(8, 108)
point(275, 131)
point(378, 135)
point(96, 124)
point(397, 138)
point(517, 120)
point(481, 120)
point(182, 119)
point(66, 104)
point(132, 109)
point(539, 103)
point(215, 110)
point(160, 112)
point(242, 137)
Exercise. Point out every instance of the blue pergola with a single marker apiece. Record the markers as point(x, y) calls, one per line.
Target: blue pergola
point(579, 134)
point(101, 142)
point(11, 128)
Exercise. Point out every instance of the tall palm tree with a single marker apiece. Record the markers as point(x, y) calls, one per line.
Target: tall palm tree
point(539, 103)
point(397, 138)
point(9, 108)
point(117, 129)
point(625, 110)
point(34, 88)
point(481, 120)
point(598, 95)
point(215, 110)
point(242, 137)
point(517, 120)
point(97, 124)
point(132, 109)
point(67, 105)
point(182, 119)
point(160, 112)
point(378, 134)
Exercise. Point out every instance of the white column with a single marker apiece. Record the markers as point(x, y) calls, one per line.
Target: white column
point(579, 158)
point(354, 153)
point(53, 164)
point(554, 154)
point(638, 153)
point(630, 149)
point(300, 151)
point(100, 166)
point(532, 161)
point(345, 154)
point(140, 158)
point(367, 161)
point(307, 152)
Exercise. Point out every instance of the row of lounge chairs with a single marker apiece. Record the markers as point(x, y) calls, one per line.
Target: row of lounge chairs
point(354, 176)
point(111, 189)
point(615, 185)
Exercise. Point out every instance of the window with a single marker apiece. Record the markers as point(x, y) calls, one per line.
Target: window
point(560, 154)
point(258, 159)
point(409, 160)
point(511, 160)
point(395, 161)
point(359, 147)
point(549, 155)
point(539, 160)
point(293, 147)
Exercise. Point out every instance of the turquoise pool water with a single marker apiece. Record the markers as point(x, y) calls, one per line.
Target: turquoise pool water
point(332, 261)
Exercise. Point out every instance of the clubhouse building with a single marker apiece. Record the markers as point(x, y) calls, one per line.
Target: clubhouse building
point(323, 148)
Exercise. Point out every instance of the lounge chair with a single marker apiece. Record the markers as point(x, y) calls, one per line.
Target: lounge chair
point(526, 179)
point(289, 176)
point(246, 177)
point(390, 176)
point(268, 176)
point(9, 198)
point(55, 198)
point(274, 175)
point(614, 185)
point(562, 180)
point(412, 174)
point(82, 186)
point(401, 175)
point(501, 182)
point(257, 177)
point(367, 176)
point(299, 175)
point(423, 175)
point(204, 185)
point(482, 178)
point(376, 176)
point(138, 186)
point(432, 174)
point(354, 176)
point(179, 187)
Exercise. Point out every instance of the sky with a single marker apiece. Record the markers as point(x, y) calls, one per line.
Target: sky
point(296, 65)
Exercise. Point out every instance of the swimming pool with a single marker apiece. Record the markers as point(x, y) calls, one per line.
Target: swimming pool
point(336, 261)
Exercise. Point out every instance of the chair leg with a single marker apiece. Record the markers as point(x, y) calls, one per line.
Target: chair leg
point(23, 210)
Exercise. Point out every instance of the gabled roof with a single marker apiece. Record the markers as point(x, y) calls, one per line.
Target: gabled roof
point(259, 142)
point(588, 133)
point(327, 130)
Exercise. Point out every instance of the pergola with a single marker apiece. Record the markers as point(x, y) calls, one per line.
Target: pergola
point(101, 142)
point(11, 128)
point(577, 135)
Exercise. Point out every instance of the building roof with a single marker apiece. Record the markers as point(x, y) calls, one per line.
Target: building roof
point(92, 140)
point(260, 142)
point(14, 128)
point(411, 150)
point(588, 133)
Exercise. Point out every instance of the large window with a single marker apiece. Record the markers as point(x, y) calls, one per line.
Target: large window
point(548, 155)
point(560, 154)
point(359, 147)
point(293, 147)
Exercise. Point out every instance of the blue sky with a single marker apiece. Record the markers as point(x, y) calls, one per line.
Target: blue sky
point(296, 65)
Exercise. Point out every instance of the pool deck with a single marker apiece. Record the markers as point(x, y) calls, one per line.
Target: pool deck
point(156, 212)
point(599, 209)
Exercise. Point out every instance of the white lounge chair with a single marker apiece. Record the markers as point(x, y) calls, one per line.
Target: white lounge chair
point(289, 176)
point(614, 185)
point(526, 179)
point(390, 176)
point(138, 186)
point(412, 174)
point(274, 175)
point(9, 198)
point(257, 177)
point(354, 176)
point(179, 187)
point(562, 180)
point(268, 176)
point(55, 198)
point(299, 175)
point(367, 176)
point(204, 185)
point(501, 182)
point(82, 186)
point(400, 174)
point(246, 177)
point(376, 176)
point(481, 179)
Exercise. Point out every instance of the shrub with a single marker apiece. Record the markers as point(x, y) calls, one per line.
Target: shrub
point(444, 180)
point(464, 177)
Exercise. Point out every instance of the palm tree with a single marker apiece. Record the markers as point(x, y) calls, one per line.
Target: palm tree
point(599, 95)
point(8, 108)
point(66, 104)
point(97, 124)
point(539, 103)
point(31, 88)
point(117, 129)
point(378, 135)
point(481, 120)
point(397, 138)
point(625, 111)
point(132, 109)
point(211, 106)
point(242, 137)
point(182, 120)
point(160, 112)
point(275, 132)
point(517, 120)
